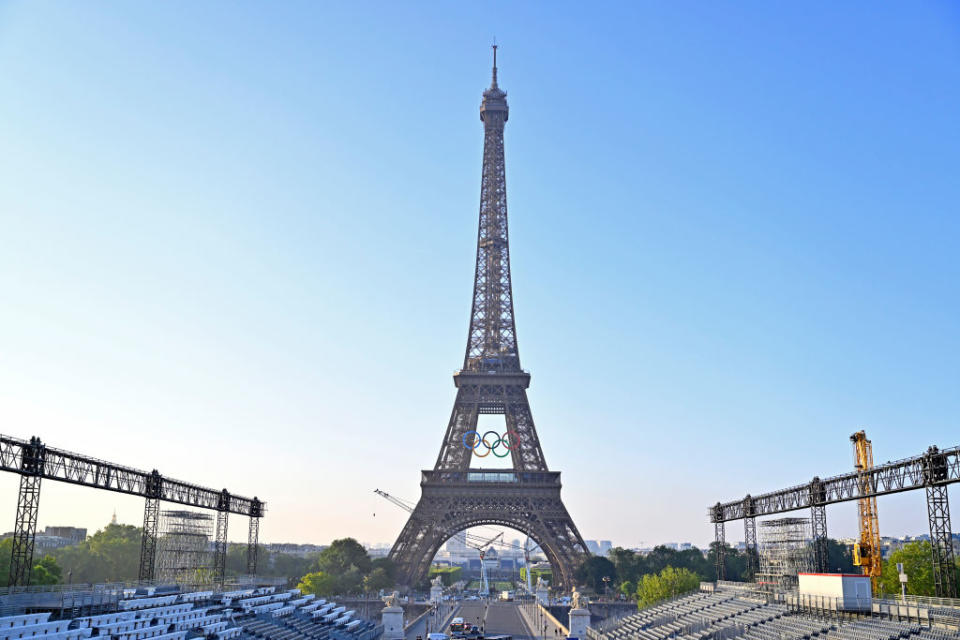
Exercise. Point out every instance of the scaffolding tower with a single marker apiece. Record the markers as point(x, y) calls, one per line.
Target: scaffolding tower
point(184, 548)
point(786, 549)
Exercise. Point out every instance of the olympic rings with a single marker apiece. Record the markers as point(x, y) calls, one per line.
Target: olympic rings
point(472, 440)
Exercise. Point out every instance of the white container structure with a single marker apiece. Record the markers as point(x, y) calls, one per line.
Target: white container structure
point(842, 591)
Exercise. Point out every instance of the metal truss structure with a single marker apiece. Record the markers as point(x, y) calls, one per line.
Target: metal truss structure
point(34, 461)
point(933, 471)
point(455, 497)
point(750, 545)
point(220, 544)
point(253, 535)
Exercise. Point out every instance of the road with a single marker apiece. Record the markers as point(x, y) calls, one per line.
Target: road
point(440, 621)
point(504, 618)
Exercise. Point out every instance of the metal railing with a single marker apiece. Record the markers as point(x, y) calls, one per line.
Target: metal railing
point(930, 601)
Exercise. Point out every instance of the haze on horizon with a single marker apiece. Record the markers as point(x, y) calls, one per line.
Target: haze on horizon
point(237, 245)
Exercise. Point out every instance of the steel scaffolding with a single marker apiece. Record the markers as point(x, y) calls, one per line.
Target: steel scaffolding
point(184, 548)
point(785, 550)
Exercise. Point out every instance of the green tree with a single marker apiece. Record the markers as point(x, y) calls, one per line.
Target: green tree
point(376, 580)
point(593, 570)
point(318, 583)
point(343, 556)
point(347, 562)
point(628, 589)
point(669, 583)
point(47, 571)
point(839, 557)
point(110, 555)
point(915, 557)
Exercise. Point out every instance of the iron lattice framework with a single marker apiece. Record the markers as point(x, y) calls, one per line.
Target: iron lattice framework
point(932, 471)
point(883, 479)
point(454, 496)
point(28, 505)
point(818, 522)
point(220, 544)
point(938, 514)
point(253, 534)
point(785, 551)
point(184, 555)
point(35, 461)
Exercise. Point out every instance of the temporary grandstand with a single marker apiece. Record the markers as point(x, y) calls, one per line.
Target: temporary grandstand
point(745, 612)
point(254, 613)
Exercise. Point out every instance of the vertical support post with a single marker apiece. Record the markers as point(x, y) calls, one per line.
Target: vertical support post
point(151, 519)
point(720, 541)
point(253, 534)
point(938, 514)
point(818, 518)
point(750, 545)
point(28, 504)
point(818, 521)
point(220, 545)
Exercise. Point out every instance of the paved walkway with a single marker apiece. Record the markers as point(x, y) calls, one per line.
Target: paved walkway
point(439, 621)
point(541, 627)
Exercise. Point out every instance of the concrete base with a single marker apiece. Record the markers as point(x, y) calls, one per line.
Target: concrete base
point(392, 618)
point(579, 621)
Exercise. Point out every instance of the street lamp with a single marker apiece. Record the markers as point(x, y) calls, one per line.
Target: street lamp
point(606, 585)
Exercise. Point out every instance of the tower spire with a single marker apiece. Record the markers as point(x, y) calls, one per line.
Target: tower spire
point(493, 84)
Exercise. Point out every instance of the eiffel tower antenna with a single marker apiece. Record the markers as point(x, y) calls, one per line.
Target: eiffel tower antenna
point(454, 496)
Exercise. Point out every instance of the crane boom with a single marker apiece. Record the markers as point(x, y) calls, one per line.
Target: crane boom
point(472, 540)
point(867, 553)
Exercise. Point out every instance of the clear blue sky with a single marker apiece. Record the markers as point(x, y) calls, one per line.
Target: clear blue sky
point(237, 243)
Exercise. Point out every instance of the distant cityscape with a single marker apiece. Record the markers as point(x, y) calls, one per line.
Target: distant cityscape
point(456, 552)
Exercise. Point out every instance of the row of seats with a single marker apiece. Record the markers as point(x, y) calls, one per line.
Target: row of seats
point(261, 612)
point(740, 615)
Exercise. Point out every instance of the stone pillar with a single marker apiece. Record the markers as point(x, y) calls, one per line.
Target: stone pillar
point(392, 618)
point(436, 594)
point(579, 621)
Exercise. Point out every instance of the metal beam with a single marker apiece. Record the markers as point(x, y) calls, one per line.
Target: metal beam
point(750, 546)
point(148, 540)
point(74, 468)
point(220, 544)
point(253, 535)
point(31, 462)
point(719, 539)
point(818, 520)
point(892, 477)
point(938, 514)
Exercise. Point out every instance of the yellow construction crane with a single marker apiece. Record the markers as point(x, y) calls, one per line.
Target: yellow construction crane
point(867, 553)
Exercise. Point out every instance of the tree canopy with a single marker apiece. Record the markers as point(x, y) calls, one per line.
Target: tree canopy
point(668, 583)
point(916, 559)
point(44, 571)
point(345, 568)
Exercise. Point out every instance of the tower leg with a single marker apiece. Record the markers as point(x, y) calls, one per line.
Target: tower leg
point(220, 549)
point(719, 534)
point(944, 566)
point(25, 531)
point(252, 535)
point(750, 543)
point(818, 519)
point(148, 539)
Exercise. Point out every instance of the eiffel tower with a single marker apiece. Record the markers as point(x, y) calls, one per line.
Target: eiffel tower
point(525, 497)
